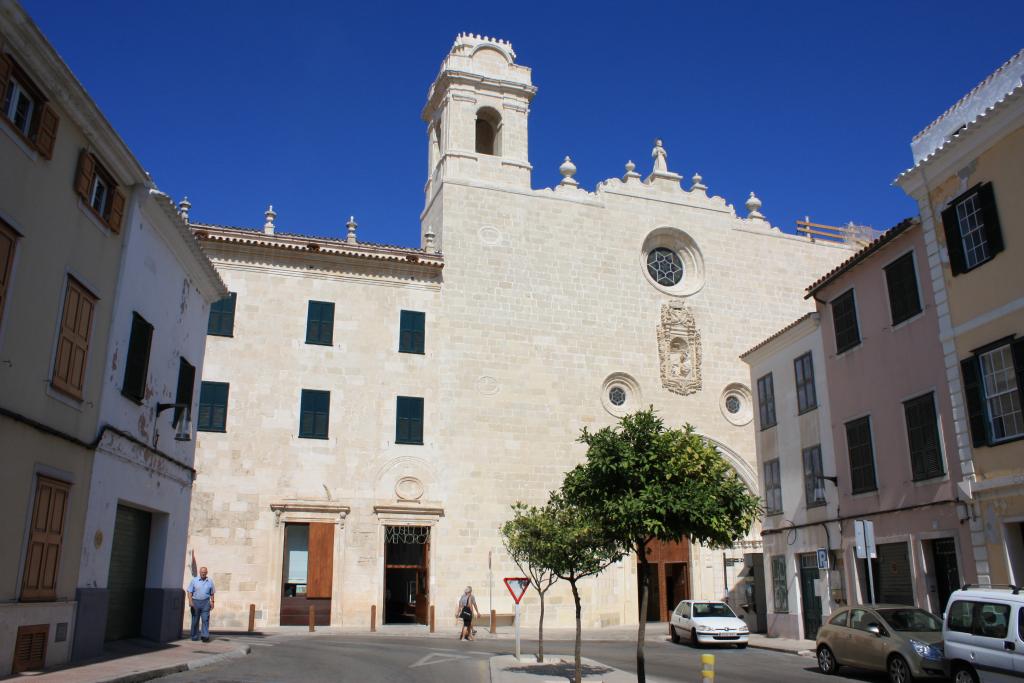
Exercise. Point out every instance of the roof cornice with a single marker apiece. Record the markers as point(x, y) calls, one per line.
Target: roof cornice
point(886, 237)
point(450, 77)
point(35, 53)
point(798, 329)
point(172, 227)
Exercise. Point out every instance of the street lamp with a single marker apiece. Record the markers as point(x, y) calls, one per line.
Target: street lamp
point(182, 423)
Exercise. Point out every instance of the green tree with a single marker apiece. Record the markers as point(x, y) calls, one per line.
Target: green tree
point(528, 539)
point(645, 482)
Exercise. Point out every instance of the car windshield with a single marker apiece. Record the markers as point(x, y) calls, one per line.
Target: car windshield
point(911, 619)
point(712, 609)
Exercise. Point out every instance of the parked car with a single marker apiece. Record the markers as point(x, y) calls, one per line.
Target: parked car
point(901, 640)
point(705, 622)
point(984, 635)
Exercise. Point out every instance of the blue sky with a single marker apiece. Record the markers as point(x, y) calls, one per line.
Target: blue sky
point(316, 108)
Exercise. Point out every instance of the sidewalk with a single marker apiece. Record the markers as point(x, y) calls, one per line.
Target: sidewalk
point(133, 661)
point(798, 647)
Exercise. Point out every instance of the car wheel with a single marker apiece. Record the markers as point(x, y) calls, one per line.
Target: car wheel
point(673, 634)
point(964, 674)
point(899, 670)
point(741, 646)
point(693, 637)
point(827, 663)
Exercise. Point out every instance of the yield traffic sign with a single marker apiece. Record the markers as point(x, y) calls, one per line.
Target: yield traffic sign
point(517, 586)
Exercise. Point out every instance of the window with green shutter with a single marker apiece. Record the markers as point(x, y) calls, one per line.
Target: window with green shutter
point(320, 323)
point(136, 364)
point(779, 587)
point(844, 320)
point(923, 437)
point(901, 280)
point(862, 455)
point(409, 422)
point(766, 400)
point(213, 407)
point(411, 326)
point(806, 396)
point(186, 383)
point(314, 414)
point(222, 317)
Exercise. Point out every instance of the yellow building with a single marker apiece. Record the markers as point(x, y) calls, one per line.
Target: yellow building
point(968, 181)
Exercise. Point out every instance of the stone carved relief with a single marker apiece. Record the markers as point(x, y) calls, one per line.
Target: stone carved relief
point(679, 349)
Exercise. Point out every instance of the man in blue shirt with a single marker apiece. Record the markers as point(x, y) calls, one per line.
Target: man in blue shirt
point(200, 600)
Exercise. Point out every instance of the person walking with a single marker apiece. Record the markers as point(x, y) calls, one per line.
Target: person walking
point(466, 611)
point(200, 601)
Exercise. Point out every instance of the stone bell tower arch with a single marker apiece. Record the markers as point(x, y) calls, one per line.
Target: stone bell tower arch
point(477, 115)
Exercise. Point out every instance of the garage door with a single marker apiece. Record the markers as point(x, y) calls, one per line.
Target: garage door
point(894, 574)
point(126, 582)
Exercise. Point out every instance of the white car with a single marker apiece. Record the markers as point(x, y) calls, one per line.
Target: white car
point(705, 622)
point(984, 635)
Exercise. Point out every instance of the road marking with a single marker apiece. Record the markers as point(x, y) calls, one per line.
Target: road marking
point(436, 658)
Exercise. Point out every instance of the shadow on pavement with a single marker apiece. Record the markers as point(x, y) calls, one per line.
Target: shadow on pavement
point(561, 670)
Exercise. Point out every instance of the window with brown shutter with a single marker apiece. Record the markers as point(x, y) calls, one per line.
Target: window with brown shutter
point(96, 187)
point(73, 345)
point(8, 238)
point(42, 556)
point(30, 648)
point(25, 109)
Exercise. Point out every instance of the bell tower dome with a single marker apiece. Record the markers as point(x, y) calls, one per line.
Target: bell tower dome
point(476, 113)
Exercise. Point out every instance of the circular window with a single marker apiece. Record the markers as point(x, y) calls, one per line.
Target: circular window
point(665, 266)
point(620, 394)
point(736, 404)
point(672, 262)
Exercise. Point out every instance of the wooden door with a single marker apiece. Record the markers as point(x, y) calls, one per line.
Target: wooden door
point(423, 586)
point(321, 561)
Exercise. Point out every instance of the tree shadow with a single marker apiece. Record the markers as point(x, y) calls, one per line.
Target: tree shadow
point(561, 669)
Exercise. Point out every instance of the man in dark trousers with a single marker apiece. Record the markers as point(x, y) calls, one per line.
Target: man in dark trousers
point(200, 600)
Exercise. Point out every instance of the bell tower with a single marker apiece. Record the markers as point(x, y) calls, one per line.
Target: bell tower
point(477, 113)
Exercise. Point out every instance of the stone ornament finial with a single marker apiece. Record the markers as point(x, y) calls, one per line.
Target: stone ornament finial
point(183, 207)
point(430, 240)
point(270, 215)
point(698, 185)
point(630, 171)
point(754, 207)
point(660, 157)
point(568, 170)
point(351, 225)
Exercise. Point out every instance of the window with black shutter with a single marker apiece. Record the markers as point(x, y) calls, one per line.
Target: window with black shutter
point(806, 396)
point(814, 480)
point(971, 226)
point(320, 323)
point(222, 317)
point(994, 389)
point(901, 279)
point(862, 457)
point(315, 413)
point(186, 384)
point(923, 437)
point(409, 421)
point(411, 327)
point(844, 320)
point(213, 407)
point(766, 401)
point(136, 365)
point(772, 488)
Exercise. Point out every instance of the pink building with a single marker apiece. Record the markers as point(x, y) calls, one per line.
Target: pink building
point(892, 423)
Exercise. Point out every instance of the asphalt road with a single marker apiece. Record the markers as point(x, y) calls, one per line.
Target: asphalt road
point(391, 659)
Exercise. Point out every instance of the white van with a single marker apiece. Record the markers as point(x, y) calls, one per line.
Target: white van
point(983, 631)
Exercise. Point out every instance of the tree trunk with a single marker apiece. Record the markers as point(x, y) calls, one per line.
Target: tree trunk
point(641, 675)
point(540, 631)
point(578, 676)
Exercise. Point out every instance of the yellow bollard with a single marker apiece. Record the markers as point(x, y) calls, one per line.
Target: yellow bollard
point(707, 667)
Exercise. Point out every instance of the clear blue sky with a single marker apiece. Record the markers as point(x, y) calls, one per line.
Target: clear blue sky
point(316, 108)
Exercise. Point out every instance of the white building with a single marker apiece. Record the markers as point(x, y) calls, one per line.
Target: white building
point(343, 474)
point(795, 459)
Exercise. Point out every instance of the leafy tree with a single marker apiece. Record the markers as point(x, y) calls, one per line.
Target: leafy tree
point(645, 482)
point(528, 539)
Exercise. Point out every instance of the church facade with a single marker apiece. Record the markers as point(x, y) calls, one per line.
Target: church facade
point(368, 413)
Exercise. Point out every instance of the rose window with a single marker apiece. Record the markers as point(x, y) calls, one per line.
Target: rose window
point(617, 395)
point(665, 266)
point(732, 404)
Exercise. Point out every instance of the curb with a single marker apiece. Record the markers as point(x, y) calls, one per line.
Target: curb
point(799, 653)
point(141, 676)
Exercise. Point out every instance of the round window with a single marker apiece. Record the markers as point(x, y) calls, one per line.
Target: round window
point(617, 395)
point(665, 266)
point(732, 404)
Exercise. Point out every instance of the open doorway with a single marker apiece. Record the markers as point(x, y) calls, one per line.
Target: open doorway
point(308, 570)
point(406, 574)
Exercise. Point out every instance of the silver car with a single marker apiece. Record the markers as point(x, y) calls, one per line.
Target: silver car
point(901, 640)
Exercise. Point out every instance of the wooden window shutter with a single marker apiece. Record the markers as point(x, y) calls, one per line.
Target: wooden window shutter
point(320, 561)
point(971, 370)
point(73, 346)
point(30, 648)
point(46, 134)
point(8, 238)
point(954, 243)
point(5, 71)
point(84, 175)
point(1017, 348)
point(42, 559)
point(989, 213)
point(116, 210)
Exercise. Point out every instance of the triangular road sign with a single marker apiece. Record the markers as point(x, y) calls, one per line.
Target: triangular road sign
point(517, 586)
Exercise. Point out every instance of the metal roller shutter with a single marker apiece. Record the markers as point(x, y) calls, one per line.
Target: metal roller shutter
point(894, 584)
point(129, 554)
